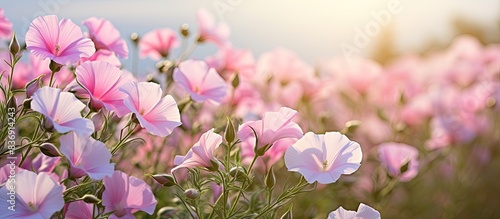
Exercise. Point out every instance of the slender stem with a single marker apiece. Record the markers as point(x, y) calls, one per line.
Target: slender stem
point(188, 51)
point(51, 78)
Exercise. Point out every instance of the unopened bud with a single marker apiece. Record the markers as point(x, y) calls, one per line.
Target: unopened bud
point(135, 38)
point(229, 133)
point(192, 193)
point(32, 86)
point(27, 103)
point(12, 104)
point(270, 179)
point(98, 120)
point(14, 45)
point(185, 30)
point(49, 149)
point(166, 180)
point(54, 66)
point(235, 80)
point(91, 199)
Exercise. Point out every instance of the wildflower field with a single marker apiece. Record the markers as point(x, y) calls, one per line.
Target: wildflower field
point(240, 135)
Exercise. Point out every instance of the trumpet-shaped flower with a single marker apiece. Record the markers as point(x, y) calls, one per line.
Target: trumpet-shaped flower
point(273, 127)
point(86, 156)
point(158, 43)
point(399, 159)
point(61, 111)
point(124, 195)
point(201, 154)
point(36, 196)
point(5, 25)
point(323, 158)
point(106, 36)
point(157, 115)
point(200, 82)
point(209, 30)
point(102, 81)
point(364, 212)
point(61, 41)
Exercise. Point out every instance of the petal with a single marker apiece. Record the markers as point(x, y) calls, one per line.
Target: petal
point(140, 196)
point(43, 36)
point(367, 212)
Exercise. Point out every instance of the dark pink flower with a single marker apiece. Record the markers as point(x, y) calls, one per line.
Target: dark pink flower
point(158, 43)
point(395, 156)
point(363, 212)
point(209, 30)
point(200, 82)
point(102, 82)
point(5, 25)
point(201, 154)
point(106, 36)
point(158, 115)
point(61, 41)
point(36, 196)
point(323, 158)
point(61, 111)
point(124, 195)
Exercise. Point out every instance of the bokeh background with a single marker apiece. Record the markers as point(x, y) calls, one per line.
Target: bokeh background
point(313, 29)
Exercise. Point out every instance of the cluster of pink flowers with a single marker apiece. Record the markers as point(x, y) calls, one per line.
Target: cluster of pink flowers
point(222, 123)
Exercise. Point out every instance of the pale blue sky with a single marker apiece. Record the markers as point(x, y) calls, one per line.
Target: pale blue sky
point(314, 29)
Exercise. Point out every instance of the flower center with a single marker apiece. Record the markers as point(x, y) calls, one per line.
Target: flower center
point(57, 49)
point(33, 208)
point(325, 165)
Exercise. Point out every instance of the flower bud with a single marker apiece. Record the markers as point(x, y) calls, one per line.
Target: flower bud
point(27, 103)
point(14, 45)
point(235, 80)
point(91, 199)
point(12, 104)
point(135, 38)
point(49, 149)
point(32, 86)
point(229, 133)
point(54, 66)
point(98, 120)
point(185, 30)
point(166, 180)
point(270, 179)
point(215, 165)
point(192, 193)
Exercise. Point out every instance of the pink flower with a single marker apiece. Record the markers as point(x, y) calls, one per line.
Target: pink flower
point(102, 81)
point(158, 43)
point(230, 60)
point(272, 156)
point(397, 156)
point(156, 114)
point(201, 154)
point(209, 30)
point(364, 212)
point(200, 82)
point(86, 156)
point(5, 25)
point(63, 42)
point(273, 127)
point(125, 195)
point(36, 196)
point(80, 210)
point(106, 36)
point(323, 158)
point(61, 111)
